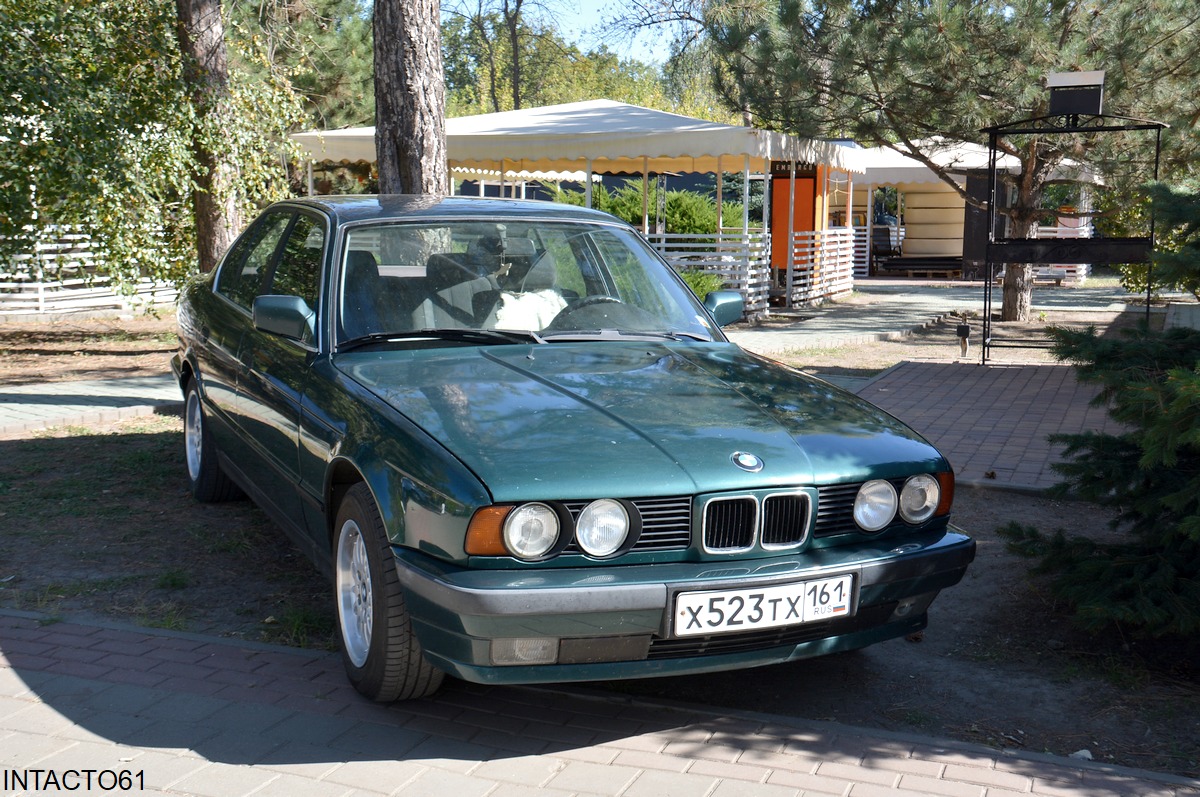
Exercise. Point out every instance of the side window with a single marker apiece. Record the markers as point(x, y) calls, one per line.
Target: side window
point(299, 269)
point(245, 267)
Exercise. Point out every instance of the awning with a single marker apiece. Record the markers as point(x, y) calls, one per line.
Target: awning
point(598, 136)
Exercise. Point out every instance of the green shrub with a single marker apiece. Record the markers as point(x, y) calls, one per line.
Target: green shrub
point(687, 212)
point(702, 282)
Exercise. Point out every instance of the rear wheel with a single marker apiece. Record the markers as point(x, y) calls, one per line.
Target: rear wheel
point(207, 481)
point(379, 648)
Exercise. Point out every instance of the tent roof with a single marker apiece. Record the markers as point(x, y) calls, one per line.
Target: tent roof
point(886, 166)
point(616, 138)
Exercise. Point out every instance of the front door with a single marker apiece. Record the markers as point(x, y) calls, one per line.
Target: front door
point(275, 370)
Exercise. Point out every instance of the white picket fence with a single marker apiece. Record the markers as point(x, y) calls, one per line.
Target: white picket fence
point(742, 260)
point(822, 265)
point(60, 277)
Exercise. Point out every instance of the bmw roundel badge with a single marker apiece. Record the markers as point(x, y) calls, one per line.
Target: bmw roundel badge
point(747, 461)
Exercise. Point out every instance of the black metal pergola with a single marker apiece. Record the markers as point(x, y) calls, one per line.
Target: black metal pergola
point(1096, 251)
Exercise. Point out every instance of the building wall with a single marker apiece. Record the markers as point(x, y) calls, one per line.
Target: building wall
point(933, 217)
point(933, 220)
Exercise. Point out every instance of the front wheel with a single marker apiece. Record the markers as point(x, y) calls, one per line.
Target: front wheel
point(379, 648)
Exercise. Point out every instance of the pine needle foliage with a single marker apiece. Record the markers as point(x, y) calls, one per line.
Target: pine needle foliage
point(1148, 582)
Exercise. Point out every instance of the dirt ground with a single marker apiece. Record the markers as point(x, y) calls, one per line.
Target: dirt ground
point(98, 522)
point(76, 348)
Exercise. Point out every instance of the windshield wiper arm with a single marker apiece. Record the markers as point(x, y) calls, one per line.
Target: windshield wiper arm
point(620, 334)
point(445, 333)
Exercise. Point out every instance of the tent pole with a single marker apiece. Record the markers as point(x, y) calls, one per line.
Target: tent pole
point(870, 217)
point(791, 239)
point(720, 197)
point(746, 195)
point(766, 214)
point(645, 196)
point(587, 188)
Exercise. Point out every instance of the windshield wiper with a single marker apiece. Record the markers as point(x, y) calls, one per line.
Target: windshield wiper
point(623, 334)
point(445, 333)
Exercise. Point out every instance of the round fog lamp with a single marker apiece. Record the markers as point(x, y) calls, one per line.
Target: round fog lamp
point(530, 531)
point(875, 505)
point(919, 498)
point(602, 528)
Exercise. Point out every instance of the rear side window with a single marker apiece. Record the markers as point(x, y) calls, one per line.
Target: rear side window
point(246, 266)
point(299, 268)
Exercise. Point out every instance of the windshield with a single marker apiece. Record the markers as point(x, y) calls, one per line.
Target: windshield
point(554, 280)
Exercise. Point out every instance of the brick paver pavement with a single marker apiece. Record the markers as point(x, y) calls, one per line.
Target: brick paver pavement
point(175, 713)
point(992, 423)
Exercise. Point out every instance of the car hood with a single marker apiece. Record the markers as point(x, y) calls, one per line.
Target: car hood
point(636, 419)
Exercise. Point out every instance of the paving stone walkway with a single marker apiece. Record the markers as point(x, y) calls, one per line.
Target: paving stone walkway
point(176, 713)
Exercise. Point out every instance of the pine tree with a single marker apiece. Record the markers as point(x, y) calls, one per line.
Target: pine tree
point(906, 73)
point(1149, 582)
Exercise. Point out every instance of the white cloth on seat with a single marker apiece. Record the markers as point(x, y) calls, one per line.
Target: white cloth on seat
point(530, 310)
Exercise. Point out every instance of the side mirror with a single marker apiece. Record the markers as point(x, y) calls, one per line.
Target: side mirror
point(724, 306)
point(289, 316)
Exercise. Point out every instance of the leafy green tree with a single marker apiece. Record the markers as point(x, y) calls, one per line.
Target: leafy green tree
point(903, 73)
point(1149, 581)
point(485, 74)
point(88, 133)
point(99, 132)
point(322, 47)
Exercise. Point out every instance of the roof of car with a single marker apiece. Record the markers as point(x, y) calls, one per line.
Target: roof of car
point(368, 207)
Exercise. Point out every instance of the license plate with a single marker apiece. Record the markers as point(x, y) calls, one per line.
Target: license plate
point(727, 611)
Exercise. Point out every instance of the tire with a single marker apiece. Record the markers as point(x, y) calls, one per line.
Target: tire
point(379, 648)
point(208, 483)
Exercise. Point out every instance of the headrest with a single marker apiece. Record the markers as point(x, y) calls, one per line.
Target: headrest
point(361, 260)
point(542, 276)
point(442, 271)
point(519, 247)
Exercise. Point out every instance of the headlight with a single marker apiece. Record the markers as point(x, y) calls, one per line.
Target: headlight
point(602, 528)
point(531, 530)
point(919, 498)
point(875, 505)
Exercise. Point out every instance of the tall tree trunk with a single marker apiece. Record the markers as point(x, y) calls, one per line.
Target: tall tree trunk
point(512, 23)
point(410, 97)
point(1023, 221)
point(206, 69)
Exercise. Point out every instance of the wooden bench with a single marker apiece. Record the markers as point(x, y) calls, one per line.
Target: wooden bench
point(929, 267)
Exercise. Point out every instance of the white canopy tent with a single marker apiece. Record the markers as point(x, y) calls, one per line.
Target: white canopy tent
point(607, 137)
point(596, 136)
point(884, 166)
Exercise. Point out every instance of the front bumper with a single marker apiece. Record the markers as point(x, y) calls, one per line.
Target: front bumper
point(615, 621)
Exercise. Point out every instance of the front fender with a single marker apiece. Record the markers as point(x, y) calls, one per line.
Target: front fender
point(424, 494)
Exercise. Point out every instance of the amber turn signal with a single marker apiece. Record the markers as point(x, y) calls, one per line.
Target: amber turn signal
point(485, 532)
point(946, 482)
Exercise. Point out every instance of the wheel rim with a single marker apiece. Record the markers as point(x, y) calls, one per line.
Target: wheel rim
point(193, 435)
point(355, 600)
